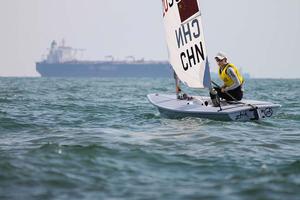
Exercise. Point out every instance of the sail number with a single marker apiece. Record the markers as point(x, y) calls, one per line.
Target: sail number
point(168, 4)
point(187, 33)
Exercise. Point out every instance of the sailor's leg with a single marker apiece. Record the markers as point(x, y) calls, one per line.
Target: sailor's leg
point(237, 94)
point(220, 94)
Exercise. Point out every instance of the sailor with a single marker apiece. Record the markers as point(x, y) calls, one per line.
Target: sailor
point(232, 89)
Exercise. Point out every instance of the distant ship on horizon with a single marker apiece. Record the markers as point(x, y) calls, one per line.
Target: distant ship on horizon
point(61, 61)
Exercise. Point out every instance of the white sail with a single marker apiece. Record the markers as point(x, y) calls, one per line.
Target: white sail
point(185, 40)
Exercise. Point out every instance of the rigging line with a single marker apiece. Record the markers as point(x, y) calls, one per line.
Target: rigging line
point(241, 105)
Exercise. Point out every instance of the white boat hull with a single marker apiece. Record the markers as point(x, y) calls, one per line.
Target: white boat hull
point(171, 107)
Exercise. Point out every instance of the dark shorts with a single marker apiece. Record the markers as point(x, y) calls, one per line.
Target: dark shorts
point(237, 94)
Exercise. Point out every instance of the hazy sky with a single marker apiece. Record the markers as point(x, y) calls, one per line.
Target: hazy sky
point(260, 36)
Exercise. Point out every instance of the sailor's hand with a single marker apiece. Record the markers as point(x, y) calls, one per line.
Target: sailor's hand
point(223, 90)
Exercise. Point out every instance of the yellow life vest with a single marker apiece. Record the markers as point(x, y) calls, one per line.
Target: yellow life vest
point(227, 80)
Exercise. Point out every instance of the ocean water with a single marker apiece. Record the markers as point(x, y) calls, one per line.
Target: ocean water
point(102, 139)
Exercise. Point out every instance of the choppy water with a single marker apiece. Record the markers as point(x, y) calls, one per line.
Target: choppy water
point(101, 139)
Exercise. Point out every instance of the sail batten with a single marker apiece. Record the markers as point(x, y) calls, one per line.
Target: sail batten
point(185, 40)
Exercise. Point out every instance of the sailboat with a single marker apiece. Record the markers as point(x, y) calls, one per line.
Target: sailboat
point(189, 59)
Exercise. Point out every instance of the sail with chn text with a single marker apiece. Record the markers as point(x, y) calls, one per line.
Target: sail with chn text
point(185, 40)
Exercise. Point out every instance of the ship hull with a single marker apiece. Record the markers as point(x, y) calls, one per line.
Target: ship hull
point(103, 69)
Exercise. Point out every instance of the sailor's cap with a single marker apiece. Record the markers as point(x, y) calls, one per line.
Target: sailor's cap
point(220, 56)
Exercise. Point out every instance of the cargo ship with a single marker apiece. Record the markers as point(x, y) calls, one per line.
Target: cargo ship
point(61, 61)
